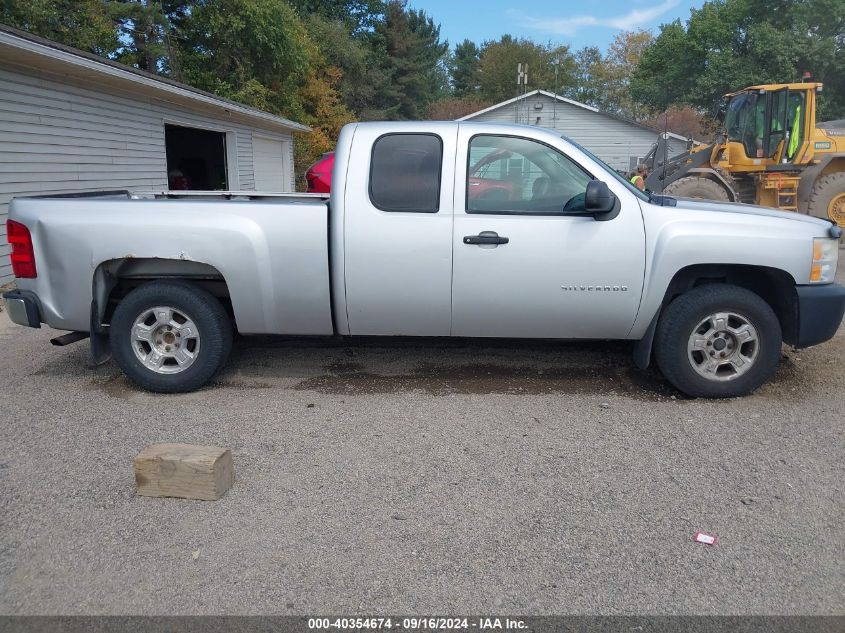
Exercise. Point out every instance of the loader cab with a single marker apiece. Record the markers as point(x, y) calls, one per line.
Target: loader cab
point(766, 126)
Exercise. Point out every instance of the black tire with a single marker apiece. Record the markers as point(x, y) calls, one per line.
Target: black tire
point(824, 192)
point(680, 319)
point(697, 187)
point(213, 324)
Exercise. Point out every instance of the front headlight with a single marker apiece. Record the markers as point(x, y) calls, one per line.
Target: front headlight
point(825, 254)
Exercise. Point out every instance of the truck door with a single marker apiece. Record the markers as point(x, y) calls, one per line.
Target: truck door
point(398, 230)
point(524, 264)
point(775, 131)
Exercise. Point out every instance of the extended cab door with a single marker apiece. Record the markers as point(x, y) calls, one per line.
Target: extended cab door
point(525, 264)
point(398, 229)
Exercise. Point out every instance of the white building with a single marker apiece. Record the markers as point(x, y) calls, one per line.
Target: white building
point(620, 142)
point(73, 122)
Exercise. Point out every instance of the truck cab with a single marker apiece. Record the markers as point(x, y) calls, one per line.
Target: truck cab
point(456, 258)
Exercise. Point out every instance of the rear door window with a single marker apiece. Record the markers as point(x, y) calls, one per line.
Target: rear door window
point(405, 173)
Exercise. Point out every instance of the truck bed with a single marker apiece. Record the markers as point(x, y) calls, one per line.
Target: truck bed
point(271, 250)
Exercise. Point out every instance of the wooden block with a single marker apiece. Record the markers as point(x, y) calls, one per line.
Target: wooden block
point(184, 470)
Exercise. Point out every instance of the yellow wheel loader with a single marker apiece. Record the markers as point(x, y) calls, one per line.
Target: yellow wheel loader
point(770, 152)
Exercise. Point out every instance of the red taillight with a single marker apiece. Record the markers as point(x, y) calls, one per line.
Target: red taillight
point(23, 255)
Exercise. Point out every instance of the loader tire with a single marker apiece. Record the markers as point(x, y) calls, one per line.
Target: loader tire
point(697, 187)
point(170, 336)
point(827, 199)
point(717, 341)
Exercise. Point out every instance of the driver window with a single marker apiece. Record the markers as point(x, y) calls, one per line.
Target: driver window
point(516, 175)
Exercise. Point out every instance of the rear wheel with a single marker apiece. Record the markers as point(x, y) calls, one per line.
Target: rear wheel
point(171, 336)
point(697, 187)
point(718, 341)
point(828, 198)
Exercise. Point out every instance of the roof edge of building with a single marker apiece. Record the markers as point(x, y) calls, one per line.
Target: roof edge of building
point(572, 102)
point(68, 55)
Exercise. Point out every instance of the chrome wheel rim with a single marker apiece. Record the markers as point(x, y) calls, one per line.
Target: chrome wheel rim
point(165, 340)
point(723, 346)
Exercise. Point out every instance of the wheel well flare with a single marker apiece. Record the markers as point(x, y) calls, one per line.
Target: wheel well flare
point(115, 278)
point(776, 287)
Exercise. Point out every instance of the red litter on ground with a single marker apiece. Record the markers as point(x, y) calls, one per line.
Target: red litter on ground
point(704, 537)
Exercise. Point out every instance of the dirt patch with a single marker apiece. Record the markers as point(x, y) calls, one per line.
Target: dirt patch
point(345, 377)
point(351, 378)
point(241, 385)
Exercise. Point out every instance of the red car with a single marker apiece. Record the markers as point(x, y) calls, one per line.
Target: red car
point(486, 183)
point(319, 175)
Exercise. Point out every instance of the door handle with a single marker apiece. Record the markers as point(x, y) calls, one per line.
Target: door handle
point(485, 237)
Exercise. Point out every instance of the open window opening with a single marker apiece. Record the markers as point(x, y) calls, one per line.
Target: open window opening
point(196, 159)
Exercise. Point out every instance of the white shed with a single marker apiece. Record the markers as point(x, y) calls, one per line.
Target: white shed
point(72, 122)
point(621, 143)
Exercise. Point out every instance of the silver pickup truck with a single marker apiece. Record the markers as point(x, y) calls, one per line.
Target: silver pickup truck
point(432, 229)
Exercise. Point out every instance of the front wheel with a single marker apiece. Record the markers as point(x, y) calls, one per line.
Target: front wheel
point(718, 341)
point(170, 336)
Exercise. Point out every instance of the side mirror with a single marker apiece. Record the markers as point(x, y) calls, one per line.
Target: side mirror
point(598, 199)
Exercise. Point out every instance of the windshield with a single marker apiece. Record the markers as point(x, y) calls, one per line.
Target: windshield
point(628, 184)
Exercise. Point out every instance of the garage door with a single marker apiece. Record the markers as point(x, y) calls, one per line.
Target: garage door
point(270, 164)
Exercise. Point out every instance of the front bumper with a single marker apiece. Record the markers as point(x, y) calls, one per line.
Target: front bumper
point(820, 311)
point(22, 307)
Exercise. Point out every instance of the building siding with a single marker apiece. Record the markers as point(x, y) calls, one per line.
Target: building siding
point(613, 140)
point(60, 137)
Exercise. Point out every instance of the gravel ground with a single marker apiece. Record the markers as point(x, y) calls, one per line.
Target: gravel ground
point(434, 477)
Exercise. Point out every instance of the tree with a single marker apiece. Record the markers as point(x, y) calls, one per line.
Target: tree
point(325, 112)
point(603, 81)
point(354, 56)
point(589, 78)
point(730, 44)
point(463, 69)
point(413, 58)
point(621, 61)
point(79, 23)
point(360, 15)
point(683, 120)
point(497, 69)
point(143, 28)
point(450, 108)
point(247, 50)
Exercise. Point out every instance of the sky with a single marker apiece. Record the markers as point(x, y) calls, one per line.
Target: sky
point(579, 24)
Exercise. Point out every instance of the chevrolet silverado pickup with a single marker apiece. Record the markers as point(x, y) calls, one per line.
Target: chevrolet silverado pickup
point(431, 229)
